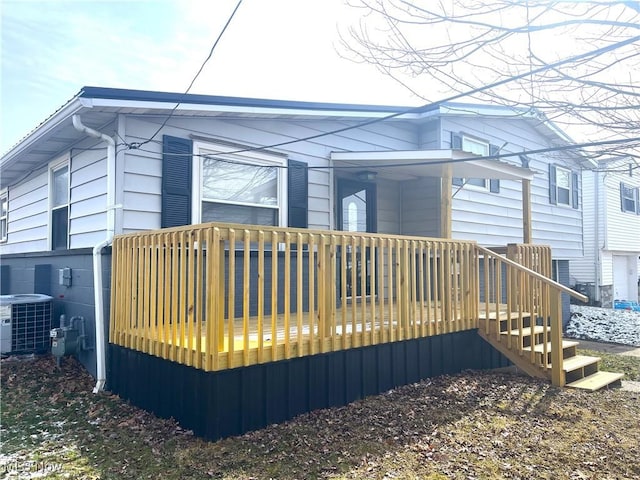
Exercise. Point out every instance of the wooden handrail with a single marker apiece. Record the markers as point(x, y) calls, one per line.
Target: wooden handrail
point(536, 275)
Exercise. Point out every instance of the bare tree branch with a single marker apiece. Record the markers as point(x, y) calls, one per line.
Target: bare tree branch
point(434, 48)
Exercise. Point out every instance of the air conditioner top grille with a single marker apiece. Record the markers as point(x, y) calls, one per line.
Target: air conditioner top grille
point(23, 298)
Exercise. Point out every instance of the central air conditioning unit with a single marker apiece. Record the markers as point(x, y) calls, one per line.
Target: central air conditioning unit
point(25, 323)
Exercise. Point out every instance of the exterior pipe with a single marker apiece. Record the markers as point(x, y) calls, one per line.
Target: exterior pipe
point(101, 370)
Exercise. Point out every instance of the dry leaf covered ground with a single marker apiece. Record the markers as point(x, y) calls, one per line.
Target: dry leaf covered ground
point(467, 426)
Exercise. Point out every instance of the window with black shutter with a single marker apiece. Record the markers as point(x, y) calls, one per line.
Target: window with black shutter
point(219, 182)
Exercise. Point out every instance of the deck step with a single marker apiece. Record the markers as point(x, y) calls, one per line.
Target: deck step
point(539, 348)
point(503, 315)
point(577, 362)
point(526, 331)
point(596, 381)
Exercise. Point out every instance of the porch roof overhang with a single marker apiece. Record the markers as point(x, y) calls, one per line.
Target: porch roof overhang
point(411, 164)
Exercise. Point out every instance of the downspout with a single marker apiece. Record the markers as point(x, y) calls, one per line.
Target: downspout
point(596, 240)
point(101, 370)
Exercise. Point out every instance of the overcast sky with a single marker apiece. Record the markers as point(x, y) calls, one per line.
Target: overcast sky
point(278, 49)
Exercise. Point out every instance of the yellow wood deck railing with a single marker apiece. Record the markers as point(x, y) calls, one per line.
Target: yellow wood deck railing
point(218, 296)
point(522, 306)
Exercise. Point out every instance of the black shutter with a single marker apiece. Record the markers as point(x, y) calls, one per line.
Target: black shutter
point(176, 181)
point(456, 141)
point(298, 188)
point(637, 201)
point(622, 196)
point(574, 190)
point(494, 183)
point(552, 185)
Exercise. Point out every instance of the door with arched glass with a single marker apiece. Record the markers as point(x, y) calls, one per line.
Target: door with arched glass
point(356, 208)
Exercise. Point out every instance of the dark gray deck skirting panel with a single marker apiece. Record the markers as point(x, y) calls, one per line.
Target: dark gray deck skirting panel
point(231, 402)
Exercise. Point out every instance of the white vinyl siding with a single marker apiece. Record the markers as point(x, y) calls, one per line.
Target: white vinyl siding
point(28, 217)
point(496, 220)
point(609, 231)
point(583, 269)
point(421, 207)
point(409, 207)
point(389, 207)
point(430, 135)
point(88, 194)
point(607, 268)
point(621, 228)
point(143, 169)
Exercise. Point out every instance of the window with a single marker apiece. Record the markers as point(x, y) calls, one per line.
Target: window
point(476, 147)
point(4, 212)
point(234, 188)
point(59, 188)
point(629, 199)
point(563, 186)
point(256, 187)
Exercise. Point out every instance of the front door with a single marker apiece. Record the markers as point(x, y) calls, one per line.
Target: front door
point(356, 213)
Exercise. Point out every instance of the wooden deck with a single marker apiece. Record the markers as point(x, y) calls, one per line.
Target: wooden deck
point(203, 295)
point(193, 336)
point(299, 334)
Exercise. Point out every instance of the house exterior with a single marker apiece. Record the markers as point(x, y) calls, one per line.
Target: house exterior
point(347, 193)
point(609, 269)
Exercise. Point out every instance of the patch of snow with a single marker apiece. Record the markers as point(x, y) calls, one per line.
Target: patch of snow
point(604, 325)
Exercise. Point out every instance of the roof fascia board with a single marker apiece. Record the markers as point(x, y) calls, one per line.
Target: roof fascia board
point(395, 155)
point(163, 107)
point(500, 168)
point(199, 99)
point(504, 168)
point(485, 110)
point(503, 111)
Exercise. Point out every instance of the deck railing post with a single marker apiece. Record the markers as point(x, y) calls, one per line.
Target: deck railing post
point(219, 318)
point(326, 283)
point(557, 371)
point(513, 253)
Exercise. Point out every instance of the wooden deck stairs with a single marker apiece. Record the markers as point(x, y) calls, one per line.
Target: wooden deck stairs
point(530, 348)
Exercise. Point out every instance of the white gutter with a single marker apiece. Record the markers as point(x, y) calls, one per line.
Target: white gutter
point(101, 370)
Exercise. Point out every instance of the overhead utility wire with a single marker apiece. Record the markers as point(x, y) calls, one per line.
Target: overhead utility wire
point(560, 148)
point(417, 109)
point(136, 145)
